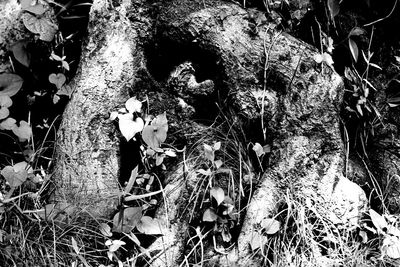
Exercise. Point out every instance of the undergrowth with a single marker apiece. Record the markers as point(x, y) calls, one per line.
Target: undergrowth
point(225, 168)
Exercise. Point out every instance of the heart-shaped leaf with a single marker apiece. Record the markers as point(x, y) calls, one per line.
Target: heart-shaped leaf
point(149, 226)
point(209, 216)
point(8, 124)
point(130, 218)
point(271, 226)
point(128, 127)
point(156, 133)
point(57, 79)
point(23, 131)
point(17, 174)
point(21, 54)
point(257, 241)
point(40, 25)
point(133, 105)
point(10, 84)
point(218, 194)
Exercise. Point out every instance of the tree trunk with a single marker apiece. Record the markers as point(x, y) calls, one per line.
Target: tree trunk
point(269, 79)
point(88, 151)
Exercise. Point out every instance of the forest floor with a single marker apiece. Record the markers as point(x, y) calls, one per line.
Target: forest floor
point(354, 39)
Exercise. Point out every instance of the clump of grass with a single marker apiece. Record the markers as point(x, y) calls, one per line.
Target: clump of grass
point(26, 240)
point(308, 238)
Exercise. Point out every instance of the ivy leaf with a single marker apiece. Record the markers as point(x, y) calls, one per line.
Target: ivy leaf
point(133, 105)
point(353, 49)
point(156, 133)
point(40, 25)
point(23, 131)
point(209, 216)
point(149, 226)
point(8, 124)
point(130, 219)
point(271, 226)
point(218, 194)
point(10, 84)
point(57, 79)
point(21, 54)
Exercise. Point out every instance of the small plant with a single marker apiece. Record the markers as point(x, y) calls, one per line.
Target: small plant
point(386, 229)
point(222, 213)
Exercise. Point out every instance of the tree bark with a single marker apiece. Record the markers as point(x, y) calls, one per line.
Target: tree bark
point(88, 145)
point(267, 78)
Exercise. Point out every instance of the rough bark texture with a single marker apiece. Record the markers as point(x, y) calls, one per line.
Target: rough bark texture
point(11, 31)
point(88, 145)
point(263, 75)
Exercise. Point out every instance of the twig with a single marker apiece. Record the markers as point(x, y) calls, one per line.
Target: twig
point(379, 20)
